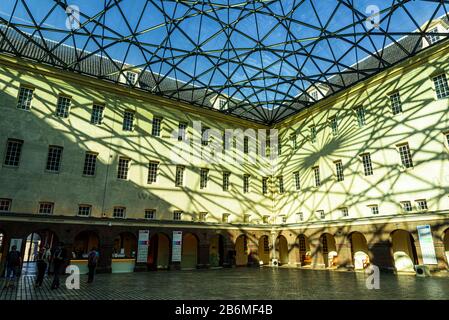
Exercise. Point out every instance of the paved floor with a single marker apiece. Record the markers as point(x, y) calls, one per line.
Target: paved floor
point(235, 284)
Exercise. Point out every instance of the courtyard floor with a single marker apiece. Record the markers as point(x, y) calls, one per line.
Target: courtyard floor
point(234, 284)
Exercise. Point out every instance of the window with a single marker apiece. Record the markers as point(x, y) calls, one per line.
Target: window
point(225, 217)
point(46, 208)
point(314, 95)
point(13, 151)
point(222, 104)
point(321, 214)
point(123, 166)
point(313, 134)
point(396, 105)
point(203, 216)
point(316, 172)
point(5, 205)
point(97, 114)
point(297, 180)
point(205, 136)
point(299, 217)
point(156, 127)
point(54, 158)
point(182, 128)
point(344, 212)
point(281, 184)
point(226, 176)
point(406, 156)
point(283, 219)
point(360, 114)
point(265, 219)
point(264, 185)
point(119, 212)
point(128, 121)
point(374, 209)
point(421, 205)
point(246, 218)
point(152, 171)
point(179, 179)
point(177, 215)
point(63, 107)
point(245, 145)
point(24, 98)
point(294, 141)
point(441, 86)
point(150, 214)
point(334, 126)
point(84, 210)
point(339, 171)
point(446, 135)
point(203, 178)
point(367, 165)
point(246, 178)
point(433, 36)
point(90, 162)
point(131, 77)
point(406, 206)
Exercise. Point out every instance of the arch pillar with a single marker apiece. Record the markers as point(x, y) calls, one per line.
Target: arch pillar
point(343, 250)
point(317, 255)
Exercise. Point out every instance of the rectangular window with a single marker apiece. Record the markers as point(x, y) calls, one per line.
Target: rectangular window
point(222, 104)
point(152, 171)
point(54, 158)
point(225, 217)
point(313, 134)
point(246, 218)
point(128, 121)
point(283, 219)
point(245, 145)
point(24, 99)
point(246, 178)
point(265, 219)
point(367, 165)
point(395, 102)
point(97, 114)
point(339, 171)
point(321, 214)
point(203, 216)
point(264, 185)
point(123, 167)
point(360, 114)
point(204, 173)
point(406, 206)
point(119, 212)
point(344, 212)
point(374, 209)
point(281, 184)
point(46, 207)
point(156, 127)
point(421, 205)
point(179, 179)
point(205, 136)
point(63, 107)
point(406, 156)
point(441, 86)
point(316, 173)
point(299, 217)
point(150, 214)
point(90, 163)
point(177, 215)
point(433, 36)
point(131, 77)
point(182, 128)
point(13, 151)
point(226, 176)
point(5, 205)
point(297, 180)
point(294, 141)
point(84, 210)
point(334, 126)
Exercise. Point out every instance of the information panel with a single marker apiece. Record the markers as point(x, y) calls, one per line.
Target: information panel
point(142, 249)
point(177, 246)
point(426, 243)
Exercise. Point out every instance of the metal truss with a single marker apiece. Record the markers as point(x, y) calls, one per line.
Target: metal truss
point(259, 60)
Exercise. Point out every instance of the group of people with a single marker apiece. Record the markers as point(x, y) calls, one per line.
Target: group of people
point(53, 260)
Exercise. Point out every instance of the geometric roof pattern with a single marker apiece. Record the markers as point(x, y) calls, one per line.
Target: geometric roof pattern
point(260, 59)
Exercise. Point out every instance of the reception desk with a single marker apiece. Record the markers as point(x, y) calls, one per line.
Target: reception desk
point(81, 264)
point(123, 265)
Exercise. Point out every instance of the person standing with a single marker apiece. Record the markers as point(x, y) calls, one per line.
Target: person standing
point(42, 264)
point(13, 263)
point(92, 262)
point(58, 259)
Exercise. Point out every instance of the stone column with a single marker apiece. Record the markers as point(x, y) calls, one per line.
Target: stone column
point(317, 255)
point(203, 255)
point(344, 251)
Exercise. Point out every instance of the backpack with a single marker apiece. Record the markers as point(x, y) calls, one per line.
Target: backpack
point(92, 258)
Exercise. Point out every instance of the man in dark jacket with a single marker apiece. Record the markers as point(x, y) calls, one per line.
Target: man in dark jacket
point(13, 263)
point(92, 264)
point(58, 259)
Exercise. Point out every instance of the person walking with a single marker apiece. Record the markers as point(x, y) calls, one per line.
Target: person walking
point(42, 260)
point(13, 263)
point(58, 259)
point(92, 262)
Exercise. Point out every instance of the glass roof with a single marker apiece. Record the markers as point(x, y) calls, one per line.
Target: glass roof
point(258, 60)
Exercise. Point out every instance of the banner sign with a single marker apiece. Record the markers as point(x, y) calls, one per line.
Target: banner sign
point(17, 243)
point(142, 248)
point(426, 243)
point(177, 246)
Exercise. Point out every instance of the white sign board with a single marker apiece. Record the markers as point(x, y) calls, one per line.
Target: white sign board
point(177, 246)
point(17, 243)
point(142, 248)
point(426, 243)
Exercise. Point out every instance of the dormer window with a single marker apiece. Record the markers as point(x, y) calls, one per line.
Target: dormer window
point(222, 103)
point(433, 36)
point(314, 95)
point(131, 77)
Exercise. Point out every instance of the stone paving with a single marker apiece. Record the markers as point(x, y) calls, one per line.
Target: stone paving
point(234, 284)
